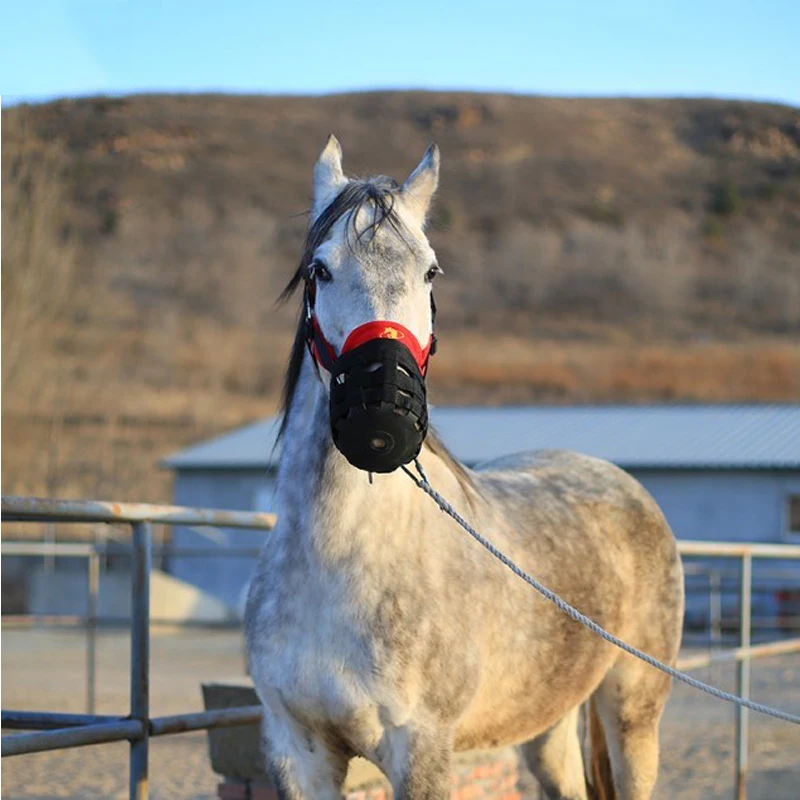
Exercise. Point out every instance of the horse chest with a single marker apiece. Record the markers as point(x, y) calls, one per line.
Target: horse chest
point(306, 647)
point(335, 659)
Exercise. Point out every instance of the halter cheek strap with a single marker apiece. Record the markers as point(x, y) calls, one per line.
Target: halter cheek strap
point(322, 351)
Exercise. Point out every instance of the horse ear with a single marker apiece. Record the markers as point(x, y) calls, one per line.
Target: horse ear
point(329, 179)
point(417, 191)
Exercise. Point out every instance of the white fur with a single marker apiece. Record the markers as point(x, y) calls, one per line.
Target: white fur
point(417, 192)
point(329, 178)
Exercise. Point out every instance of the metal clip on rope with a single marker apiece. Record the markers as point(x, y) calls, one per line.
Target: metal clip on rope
point(423, 483)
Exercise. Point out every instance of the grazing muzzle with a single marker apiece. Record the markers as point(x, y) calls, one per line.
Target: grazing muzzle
point(378, 400)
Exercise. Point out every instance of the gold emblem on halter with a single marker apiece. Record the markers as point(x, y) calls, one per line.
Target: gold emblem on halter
point(392, 333)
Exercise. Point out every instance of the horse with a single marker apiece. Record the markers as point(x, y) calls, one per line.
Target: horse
point(374, 626)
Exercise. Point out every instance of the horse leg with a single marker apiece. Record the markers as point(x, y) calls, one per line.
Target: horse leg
point(301, 762)
point(418, 762)
point(630, 701)
point(556, 761)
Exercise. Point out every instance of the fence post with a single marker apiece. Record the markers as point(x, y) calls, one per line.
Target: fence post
point(715, 618)
point(140, 655)
point(743, 675)
point(93, 586)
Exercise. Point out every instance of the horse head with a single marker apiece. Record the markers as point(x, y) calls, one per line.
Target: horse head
point(368, 322)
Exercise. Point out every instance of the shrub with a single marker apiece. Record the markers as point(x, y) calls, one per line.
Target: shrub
point(725, 199)
point(713, 228)
point(604, 214)
point(109, 221)
point(769, 191)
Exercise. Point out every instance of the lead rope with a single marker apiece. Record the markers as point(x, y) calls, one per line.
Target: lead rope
point(423, 483)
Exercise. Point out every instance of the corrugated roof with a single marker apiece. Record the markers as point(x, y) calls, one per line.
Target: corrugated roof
point(659, 437)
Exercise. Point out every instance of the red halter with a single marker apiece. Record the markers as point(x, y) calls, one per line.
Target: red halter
point(324, 353)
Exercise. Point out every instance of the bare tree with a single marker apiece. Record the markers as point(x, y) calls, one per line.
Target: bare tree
point(38, 258)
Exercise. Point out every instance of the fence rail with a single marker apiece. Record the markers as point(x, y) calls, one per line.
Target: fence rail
point(41, 509)
point(59, 731)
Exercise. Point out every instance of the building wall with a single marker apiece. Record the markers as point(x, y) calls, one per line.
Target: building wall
point(225, 577)
point(733, 506)
point(739, 506)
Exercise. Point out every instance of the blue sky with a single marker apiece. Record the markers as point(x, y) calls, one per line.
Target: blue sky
point(738, 48)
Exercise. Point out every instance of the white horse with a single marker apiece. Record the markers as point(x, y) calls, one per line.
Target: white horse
point(374, 625)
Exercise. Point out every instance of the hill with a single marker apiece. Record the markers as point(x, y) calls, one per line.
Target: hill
point(594, 250)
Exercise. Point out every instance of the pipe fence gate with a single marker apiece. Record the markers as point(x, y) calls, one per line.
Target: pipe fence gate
point(59, 731)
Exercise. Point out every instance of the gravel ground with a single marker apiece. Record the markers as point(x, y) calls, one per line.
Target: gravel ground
point(45, 670)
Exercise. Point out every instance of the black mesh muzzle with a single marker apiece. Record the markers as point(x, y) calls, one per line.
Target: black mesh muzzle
point(378, 406)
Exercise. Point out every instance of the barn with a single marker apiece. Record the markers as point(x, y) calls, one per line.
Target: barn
point(725, 473)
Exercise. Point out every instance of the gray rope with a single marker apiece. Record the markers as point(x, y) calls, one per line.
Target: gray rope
point(573, 612)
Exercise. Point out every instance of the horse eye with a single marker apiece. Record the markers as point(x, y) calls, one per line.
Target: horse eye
point(434, 270)
point(318, 271)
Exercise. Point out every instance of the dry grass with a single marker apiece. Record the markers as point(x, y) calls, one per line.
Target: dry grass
point(509, 370)
point(146, 239)
point(107, 443)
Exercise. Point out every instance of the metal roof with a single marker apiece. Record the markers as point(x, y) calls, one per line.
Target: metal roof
point(656, 437)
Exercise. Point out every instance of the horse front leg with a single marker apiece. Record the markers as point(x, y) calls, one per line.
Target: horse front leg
point(418, 762)
point(301, 762)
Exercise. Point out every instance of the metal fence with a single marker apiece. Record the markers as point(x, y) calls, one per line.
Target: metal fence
point(59, 731)
point(746, 652)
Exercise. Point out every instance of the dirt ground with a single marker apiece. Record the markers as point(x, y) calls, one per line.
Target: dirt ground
point(45, 670)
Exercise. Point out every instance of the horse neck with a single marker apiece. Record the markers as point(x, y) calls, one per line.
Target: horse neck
point(330, 505)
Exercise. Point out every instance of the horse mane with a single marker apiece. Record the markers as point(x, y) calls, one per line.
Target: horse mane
point(381, 192)
point(435, 444)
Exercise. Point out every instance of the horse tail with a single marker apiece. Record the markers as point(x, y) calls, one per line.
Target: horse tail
point(602, 782)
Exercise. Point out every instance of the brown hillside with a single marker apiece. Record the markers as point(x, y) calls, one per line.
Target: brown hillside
point(594, 250)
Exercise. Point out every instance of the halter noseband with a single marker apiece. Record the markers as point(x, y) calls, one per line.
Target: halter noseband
point(323, 353)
